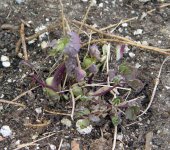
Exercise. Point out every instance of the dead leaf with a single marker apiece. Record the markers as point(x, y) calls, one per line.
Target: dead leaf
point(75, 145)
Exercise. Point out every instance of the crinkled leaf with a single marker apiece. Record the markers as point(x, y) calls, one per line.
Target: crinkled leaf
point(58, 76)
point(136, 84)
point(94, 52)
point(102, 91)
point(93, 69)
point(115, 120)
point(73, 47)
point(80, 74)
point(119, 51)
point(132, 112)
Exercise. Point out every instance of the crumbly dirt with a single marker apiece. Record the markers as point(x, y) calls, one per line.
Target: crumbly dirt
point(14, 80)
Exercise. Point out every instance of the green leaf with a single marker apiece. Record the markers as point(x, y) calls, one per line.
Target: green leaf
point(77, 90)
point(87, 62)
point(132, 112)
point(83, 123)
point(115, 120)
point(124, 69)
point(83, 112)
point(116, 101)
point(60, 45)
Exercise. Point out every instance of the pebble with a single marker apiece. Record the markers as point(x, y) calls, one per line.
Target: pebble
point(39, 28)
point(5, 131)
point(38, 110)
point(52, 147)
point(132, 55)
point(84, 0)
point(145, 43)
point(101, 5)
point(44, 45)
point(137, 65)
point(124, 24)
point(20, 1)
point(6, 64)
point(138, 32)
point(66, 122)
point(4, 58)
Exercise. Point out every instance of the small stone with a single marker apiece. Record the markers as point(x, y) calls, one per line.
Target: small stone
point(101, 5)
point(138, 32)
point(120, 30)
point(18, 142)
point(44, 45)
point(20, 1)
point(132, 55)
point(20, 55)
point(137, 65)
point(145, 43)
point(6, 64)
point(4, 58)
point(5, 131)
point(38, 110)
point(66, 122)
point(124, 24)
point(84, 0)
point(47, 19)
point(52, 147)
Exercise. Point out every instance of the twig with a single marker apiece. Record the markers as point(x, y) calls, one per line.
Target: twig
point(132, 43)
point(73, 104)
point(84, 18)
point(24, 93)
point(114, 140)
point(39, 125)
point(61, 142)
point(18, 45)
point(155, 88)
point(62, 15)
point(107, 63)
point(22, 34)
point(33, 143)
point(12, 103)
point(56, 113)
point(162, 6)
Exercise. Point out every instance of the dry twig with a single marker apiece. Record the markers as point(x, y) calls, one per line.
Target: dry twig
point(33, 143)
point(12, 103)
point(73, 104)
point(61, 142)
point(155, 88)
point(38, 125)
point(56, 113)
point(22, 34)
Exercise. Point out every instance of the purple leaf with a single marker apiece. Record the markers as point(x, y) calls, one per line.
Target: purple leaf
point(119, 51)
point(94, 52)
point(71, 64)
point(73, 47)
point(80, 74)
point(58, 76)
point(93, 69)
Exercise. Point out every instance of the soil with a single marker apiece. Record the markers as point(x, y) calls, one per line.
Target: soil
point(14, 80)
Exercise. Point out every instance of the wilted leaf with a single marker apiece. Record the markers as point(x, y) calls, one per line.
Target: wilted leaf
point(119, 51)
point(82, 112)
point(102, 91)
point(132, 112)
point(58, 76)
point(136, 84)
